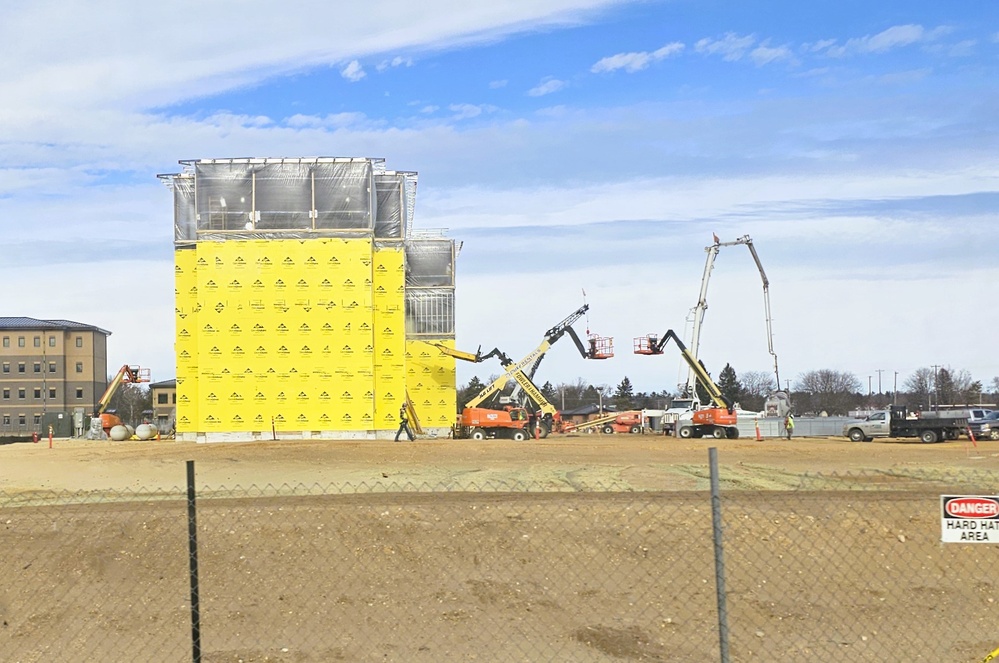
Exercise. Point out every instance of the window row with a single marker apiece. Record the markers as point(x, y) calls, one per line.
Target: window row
point(37, 341)
point(37, 367)
point(22, 393)
point(22, 419)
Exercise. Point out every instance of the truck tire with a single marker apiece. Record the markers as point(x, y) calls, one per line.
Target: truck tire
point(686, 432)
point(544, 431)
point(607, 430)
point(732, 433)
point(857, 435)
point(477, 434)
point(928, 436)
point(994, 434)
point(519, 435)
point(718, 433)
point(953, 434)
point(635, 430)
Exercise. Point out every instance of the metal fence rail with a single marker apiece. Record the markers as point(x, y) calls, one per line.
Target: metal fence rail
point(845, 568)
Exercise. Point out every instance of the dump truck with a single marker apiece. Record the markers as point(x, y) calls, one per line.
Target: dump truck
point(897, 421)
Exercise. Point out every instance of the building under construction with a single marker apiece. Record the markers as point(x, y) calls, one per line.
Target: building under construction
point(303, 295)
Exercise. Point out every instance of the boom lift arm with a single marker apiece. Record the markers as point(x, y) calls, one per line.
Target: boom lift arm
point(653, 345)
point(125, 374)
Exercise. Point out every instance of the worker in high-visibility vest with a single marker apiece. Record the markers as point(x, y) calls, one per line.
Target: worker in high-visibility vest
point(789, 425)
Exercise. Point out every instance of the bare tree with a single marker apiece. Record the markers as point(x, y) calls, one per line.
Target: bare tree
point(756, 386)
point(919, 385)
point(835, 392)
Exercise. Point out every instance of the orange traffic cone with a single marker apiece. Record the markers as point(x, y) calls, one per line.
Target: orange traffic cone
point(759, 438)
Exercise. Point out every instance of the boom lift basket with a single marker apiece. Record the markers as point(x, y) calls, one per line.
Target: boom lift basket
point(601, 347)
point(648, 345)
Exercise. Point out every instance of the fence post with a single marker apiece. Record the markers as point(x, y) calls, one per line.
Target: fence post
point(192, 546)
point(716, 521)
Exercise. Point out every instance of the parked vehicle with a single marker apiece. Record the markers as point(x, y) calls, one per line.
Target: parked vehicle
point(984, 424)
point(631, 421)
point(898, 422)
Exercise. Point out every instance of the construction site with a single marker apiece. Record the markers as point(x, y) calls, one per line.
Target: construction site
point(308, 304)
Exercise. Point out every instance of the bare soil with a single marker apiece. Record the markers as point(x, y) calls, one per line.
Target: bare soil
point(391, 573)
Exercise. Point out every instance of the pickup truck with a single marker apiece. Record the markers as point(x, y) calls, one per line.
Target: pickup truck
point(897, 422)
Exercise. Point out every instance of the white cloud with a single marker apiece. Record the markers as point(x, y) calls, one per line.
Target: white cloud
point(897, 36)
point(547, 86)
point(632, 62)
point(731, 47)
point(765, 54)
point(467, 111)
point(397, 61)
point(353, 71)
point(495, 85)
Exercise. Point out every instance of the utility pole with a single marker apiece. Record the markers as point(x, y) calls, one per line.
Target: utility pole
point(894, 391)
point(870, 389)
point(879, 371)
point(936, 396)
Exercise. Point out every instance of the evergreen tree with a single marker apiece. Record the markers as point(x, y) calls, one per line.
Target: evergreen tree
point(728, 383)
point(466, 392)
point(624, 396)
point(550, 393)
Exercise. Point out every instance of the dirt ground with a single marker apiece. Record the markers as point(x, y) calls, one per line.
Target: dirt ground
point(458, 574)
point(637, 462)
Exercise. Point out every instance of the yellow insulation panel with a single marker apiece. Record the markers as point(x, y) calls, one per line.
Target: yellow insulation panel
point(301, 334)
point(430, 382)
point(389, 324)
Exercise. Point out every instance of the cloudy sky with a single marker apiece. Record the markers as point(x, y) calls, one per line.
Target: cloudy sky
point(568, 145)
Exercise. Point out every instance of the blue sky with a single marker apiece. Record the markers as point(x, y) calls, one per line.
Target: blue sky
point(569, 145)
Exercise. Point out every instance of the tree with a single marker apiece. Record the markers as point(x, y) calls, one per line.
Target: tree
point(624, 395)
point(549, 392)
point(573, 394)
point(466, 392)
point(919, 385)
point(130, 401)
point(728, 383)
point(944, 390)
point(755, 386)
point(833, 391)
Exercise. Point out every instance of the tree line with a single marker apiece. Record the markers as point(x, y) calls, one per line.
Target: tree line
point(811, 393)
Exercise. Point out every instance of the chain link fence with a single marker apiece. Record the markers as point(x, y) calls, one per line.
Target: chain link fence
point(844, 568)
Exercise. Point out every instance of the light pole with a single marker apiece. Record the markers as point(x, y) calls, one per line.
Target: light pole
point(894, 391)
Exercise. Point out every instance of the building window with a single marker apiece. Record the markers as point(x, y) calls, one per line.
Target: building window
point(52, 392)
point(174, 397)
point(38, 419)
point(162, 399)
point(38, 341)
point(6, 367)
point(21, 393)
point(6, 341)
point(79, 392)
point(79, 341)
point(51, 341)
point(6, 420)
point(38, 393)
point(37, 366)
point(21, 419)
point(20, 367)
point(20, 341)
point(79, 367)
point(52, 367)
point(6, 394)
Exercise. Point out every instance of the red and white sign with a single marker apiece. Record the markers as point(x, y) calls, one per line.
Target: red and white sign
point(969, 518)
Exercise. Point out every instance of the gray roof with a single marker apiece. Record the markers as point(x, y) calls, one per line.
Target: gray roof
point(165, 384)
point(34, 323)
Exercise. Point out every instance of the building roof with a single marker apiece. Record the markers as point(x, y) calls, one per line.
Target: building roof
point(165, 384)
point(34, 323)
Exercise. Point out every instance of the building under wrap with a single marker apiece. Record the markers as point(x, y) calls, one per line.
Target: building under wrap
point(303, 297)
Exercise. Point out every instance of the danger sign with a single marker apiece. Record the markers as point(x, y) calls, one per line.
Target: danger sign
point(969, 518)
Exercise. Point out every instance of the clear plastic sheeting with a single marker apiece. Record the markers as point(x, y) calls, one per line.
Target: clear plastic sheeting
point(430, 263)
point(344, 195)
point(185, 223)
point(282, 196)
point(430, 312)
point(390, 190)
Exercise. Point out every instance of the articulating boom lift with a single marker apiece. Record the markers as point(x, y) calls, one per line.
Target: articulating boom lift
point(718, 422)
point(514, 420)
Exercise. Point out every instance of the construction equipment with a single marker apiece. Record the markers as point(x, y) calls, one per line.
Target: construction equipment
point(505, 420)
point(697, 313)
point(718, 422)
point(617, 422)
point(108, 420)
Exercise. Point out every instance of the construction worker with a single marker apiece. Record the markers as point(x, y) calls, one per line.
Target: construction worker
point(789, 425)
point(404, 425)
